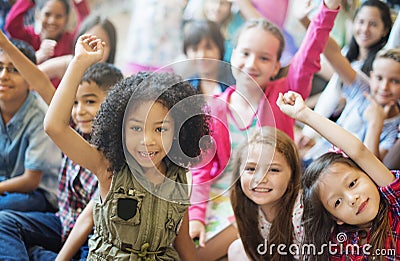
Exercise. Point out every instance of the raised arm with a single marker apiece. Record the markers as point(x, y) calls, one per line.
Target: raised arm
point(339, 63)
point(89, 50)
point(306, 61)
point(293, 105)
point(15, 23)
point(82, 11)
point(332, 52)
point(37, 80)
point(247, 9)
point(56, 67)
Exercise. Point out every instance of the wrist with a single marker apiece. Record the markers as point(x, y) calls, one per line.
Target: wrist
point(331, 6)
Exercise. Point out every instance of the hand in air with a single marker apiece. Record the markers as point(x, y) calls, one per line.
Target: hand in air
point(291, 103)
point(90, 48)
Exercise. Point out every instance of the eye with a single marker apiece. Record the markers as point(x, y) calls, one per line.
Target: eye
point(337, 202)
point(250, 169)
point(274, 170)
point(136, 128)
point(244, 53)
point(90, 101)
point(263, 58)
point(373, 24)
point(192, 49)
point(161, 129)
point(353, 183)
point(75, 103)
point(12, 70)
point(378, 77)
point(395, 81)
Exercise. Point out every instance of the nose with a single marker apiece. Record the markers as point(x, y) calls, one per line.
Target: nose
point(147, 138)
point(352, 198)
point(3, 72)
point(384, 84)
point(80, 108)
point(259, 177)
point(51, 19)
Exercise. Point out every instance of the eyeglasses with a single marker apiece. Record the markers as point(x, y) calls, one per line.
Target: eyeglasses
point(8, 69)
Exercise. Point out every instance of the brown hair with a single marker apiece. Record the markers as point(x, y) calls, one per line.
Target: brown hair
point(246, 211)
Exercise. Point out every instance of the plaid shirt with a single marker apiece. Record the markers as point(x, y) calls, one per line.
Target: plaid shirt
point(392, 194)
point(76, 187)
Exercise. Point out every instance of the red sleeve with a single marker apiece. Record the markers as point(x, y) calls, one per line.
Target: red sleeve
point(306, 61)
point(15, 24)
point(82, 10)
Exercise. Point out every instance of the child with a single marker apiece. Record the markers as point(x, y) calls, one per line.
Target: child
point(95, 24)
point(37, 235)
point(372, 25)
point(243, 107)
point(383, 85)
point(53, 17)
point(29, 159)
point(204, 44)
point(140, 213)
point(267, 176)
point(341, 200)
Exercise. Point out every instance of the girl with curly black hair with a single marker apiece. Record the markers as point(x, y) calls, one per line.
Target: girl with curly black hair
point(145, 136)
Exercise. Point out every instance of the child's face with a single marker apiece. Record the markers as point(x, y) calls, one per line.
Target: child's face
point(385, 81)
point(87, 102)
point(217, 10)
point(102, 34)
point(256, 55)
point(206, 49)
point(266, 175)
point(53, 19)
point(149, 133)
point(368, 27)
point(13, 87)
point(349, 195)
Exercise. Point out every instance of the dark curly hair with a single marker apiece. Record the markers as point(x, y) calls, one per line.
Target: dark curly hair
point(191, 122)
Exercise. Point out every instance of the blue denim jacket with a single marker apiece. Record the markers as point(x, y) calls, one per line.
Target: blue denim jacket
point(25, 145)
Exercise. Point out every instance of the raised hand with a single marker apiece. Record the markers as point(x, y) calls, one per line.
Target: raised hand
point(46, 50)
point(302, 8)
point(332, 4)
point(89, 48)
point(292, 104)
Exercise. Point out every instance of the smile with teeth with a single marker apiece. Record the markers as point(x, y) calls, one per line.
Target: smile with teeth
point(147, 154)
point(262, 189)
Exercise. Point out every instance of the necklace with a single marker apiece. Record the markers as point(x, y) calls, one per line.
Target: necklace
point(237, 124)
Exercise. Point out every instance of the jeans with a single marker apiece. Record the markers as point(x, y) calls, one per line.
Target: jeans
point(41, 254)
point(34, 201)
point(19, 231)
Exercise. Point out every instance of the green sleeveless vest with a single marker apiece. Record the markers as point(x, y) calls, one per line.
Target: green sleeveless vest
point(135, 224)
